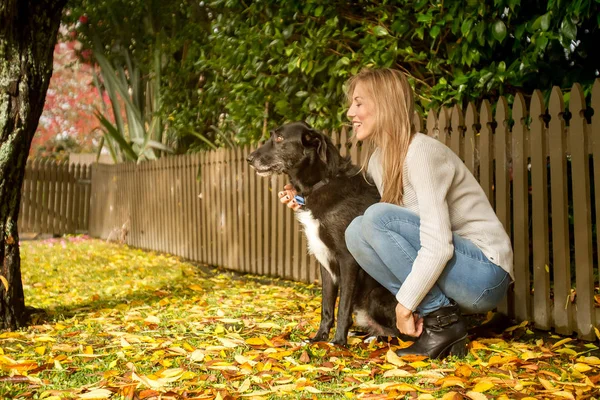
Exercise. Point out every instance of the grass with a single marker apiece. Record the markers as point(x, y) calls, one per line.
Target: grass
point(121, 323)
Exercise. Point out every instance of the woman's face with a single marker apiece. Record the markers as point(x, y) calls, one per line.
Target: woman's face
point(362, 112)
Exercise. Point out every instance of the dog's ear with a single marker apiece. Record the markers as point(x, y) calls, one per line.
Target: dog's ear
point(313, 139)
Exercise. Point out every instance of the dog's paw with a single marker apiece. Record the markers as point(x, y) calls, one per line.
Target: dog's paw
point(319, 337)
point(339, 342)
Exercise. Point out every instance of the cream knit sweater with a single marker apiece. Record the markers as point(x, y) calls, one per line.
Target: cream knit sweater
point(440, 189)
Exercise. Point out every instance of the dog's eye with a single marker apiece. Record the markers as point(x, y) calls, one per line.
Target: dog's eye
point(279, 139)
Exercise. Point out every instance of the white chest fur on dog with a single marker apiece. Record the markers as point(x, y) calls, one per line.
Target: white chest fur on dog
point(315, 244)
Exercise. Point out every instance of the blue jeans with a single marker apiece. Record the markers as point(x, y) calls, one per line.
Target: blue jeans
point(385, 242)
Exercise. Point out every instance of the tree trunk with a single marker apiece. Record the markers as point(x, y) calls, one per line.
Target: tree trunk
point(28, 34)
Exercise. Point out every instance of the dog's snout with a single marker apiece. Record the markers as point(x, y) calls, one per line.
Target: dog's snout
point(250, 158)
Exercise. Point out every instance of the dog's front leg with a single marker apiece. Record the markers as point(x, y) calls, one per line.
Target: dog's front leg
point(348, 276)
point(329, 289)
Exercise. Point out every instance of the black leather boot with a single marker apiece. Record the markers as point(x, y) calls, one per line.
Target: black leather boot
point(444, 333)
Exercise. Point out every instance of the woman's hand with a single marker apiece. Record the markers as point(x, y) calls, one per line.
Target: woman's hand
point(287, 197)
point(408, 323)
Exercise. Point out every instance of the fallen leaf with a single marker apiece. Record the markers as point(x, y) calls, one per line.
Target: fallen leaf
point(452, 396)
point(96, 394)
point(396, 373)
point(392, 358)
point(483, 386)
point(476, 395)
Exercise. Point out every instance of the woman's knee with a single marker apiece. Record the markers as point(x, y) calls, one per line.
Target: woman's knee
point(353, 234)
point(378, 215)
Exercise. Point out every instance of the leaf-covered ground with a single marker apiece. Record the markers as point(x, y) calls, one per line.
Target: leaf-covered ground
point(122, 323)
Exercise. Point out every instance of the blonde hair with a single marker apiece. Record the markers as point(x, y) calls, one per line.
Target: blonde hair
point(393, 129)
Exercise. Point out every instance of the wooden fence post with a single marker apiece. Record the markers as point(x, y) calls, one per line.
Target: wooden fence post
point(582, 224)
point(522, 292)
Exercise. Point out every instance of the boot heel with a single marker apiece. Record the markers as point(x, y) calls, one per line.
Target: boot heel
point(459, 349)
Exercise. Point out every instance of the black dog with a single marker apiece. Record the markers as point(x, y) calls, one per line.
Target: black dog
point(334, 192)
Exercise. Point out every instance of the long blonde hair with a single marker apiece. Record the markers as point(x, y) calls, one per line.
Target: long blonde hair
point(393, 128)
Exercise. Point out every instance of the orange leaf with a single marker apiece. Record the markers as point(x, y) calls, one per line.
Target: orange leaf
point(464, 370)
point(452, 396)
point(304, 357)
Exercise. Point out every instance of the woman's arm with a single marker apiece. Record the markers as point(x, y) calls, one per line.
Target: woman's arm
point(431, 175)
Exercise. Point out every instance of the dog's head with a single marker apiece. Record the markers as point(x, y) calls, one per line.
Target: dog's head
point(289, 147)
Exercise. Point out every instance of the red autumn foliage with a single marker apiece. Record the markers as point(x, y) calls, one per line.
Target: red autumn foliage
point(68, 122)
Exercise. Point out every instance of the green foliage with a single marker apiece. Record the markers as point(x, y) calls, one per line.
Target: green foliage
point(233, 68)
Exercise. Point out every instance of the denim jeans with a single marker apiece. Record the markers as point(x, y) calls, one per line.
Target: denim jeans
point(385, 242)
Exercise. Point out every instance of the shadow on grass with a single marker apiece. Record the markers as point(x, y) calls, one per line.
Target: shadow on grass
point(176, 288)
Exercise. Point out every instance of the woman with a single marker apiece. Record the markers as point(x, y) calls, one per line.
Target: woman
point(434, 240)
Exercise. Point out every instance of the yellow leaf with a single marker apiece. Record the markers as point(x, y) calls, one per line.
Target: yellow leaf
point(495, 359)
point(197, 356)
point(125, 344)
point(564, 394)
point(582, 367)
point(476, 395)
point(88, 350)
point(561, 342)
point(396, 372)
point(44, 339)
point(267, 341)
point(593, 360)
point(268, 325)
point(177, 350)
point(152, 319)
point(267, 366)
point(244, 386)
point(464, 370)
point(311, 389)
point(227, 343)
point(521, 325)
point(597, 333)
point(528, 355)
point(151, 383)
point(171, 373)
point(57, 365)
point(255, 341)
point(96, 394)
point(188, 347)
point(243, 360)
point(188, 375)
point(403, 387)
point(452, 396)
point(451, 381)
point(219, 329)
point(301, 368)
point(419, 364)
point(546, 384)
point(392, 358)
point(483, 386)
point(4, 282)
point(567, 351)
point(40, 350)
point(196, 288)
point(476, 345)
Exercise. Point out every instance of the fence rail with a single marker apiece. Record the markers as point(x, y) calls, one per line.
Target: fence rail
point(538, 168)
point(55, 198)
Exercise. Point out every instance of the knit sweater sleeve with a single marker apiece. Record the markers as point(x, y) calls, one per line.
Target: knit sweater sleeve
point(431, 175)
